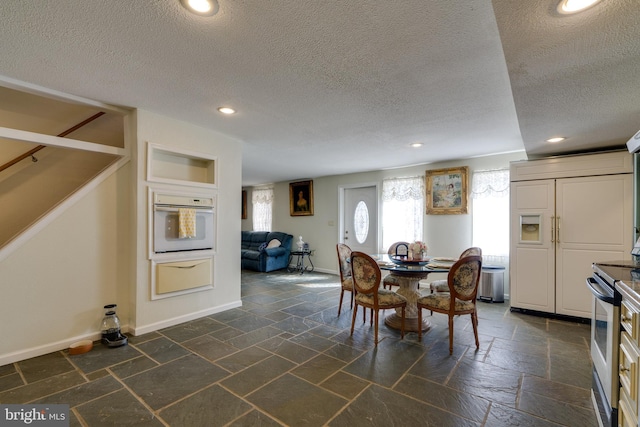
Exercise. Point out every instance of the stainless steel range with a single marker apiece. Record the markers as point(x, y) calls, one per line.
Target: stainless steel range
point(605, 335)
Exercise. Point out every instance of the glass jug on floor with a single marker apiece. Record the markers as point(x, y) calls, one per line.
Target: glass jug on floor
point(110, 328)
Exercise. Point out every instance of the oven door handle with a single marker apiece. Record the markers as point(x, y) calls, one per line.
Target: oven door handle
point(598, 292)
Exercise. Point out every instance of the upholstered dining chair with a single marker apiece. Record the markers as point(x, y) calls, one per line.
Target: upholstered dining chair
point(390, 280)
point(344, 258)
point(441, 285)
point(366, 276)
point(462, 280)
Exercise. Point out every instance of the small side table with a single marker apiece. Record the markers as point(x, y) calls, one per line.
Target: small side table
point(300, 263)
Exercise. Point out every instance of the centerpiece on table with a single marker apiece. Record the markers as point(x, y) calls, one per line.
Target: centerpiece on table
point(418, 250)
point(416, 254)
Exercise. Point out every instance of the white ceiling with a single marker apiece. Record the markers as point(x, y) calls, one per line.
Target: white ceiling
point(333, 87)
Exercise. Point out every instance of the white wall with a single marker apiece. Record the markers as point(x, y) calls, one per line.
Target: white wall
point(54, 286)
point(58, 173)
point(170, 133)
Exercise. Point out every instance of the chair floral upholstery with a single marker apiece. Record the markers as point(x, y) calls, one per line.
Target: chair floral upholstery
point(366, 276)
point(462, 281)
point(344, 255)
point(444, 301)
point(385, 297)
point(391, 280)
point(441, 285)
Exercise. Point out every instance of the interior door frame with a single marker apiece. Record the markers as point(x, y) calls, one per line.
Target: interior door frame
point(341, 207)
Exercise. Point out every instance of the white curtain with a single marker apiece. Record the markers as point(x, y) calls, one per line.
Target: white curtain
point(402, 210)
point(262, 202)
point(490, 194)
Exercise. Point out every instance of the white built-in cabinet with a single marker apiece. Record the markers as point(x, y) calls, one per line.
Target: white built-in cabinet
point(566, 214)
point(180, 172)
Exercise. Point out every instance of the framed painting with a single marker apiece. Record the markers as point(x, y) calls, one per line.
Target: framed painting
point(301, 198)
point(244, 204)
point(447, 191)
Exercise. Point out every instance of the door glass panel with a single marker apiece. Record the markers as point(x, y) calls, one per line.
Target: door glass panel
point(361, 222)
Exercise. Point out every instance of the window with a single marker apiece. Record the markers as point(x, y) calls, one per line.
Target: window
point(361, 222)
point(402, 209)
point(490, 194)
point(262, 202)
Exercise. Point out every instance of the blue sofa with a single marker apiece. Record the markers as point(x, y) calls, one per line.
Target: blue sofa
point(256, 256)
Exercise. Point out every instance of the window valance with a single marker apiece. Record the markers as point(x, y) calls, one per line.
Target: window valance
point(490, 183)
point(401, 189)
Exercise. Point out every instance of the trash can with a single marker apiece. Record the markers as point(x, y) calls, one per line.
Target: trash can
point(491, 287)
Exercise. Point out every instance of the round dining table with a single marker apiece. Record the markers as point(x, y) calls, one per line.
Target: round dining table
point(408, 276)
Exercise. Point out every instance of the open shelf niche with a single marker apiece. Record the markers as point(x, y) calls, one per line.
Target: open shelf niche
point(182, 167)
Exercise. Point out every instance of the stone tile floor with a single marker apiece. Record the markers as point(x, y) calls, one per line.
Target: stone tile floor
point(285, 358)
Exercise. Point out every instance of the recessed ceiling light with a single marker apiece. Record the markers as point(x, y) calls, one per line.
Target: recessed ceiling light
point(416, 144)
point(226, 110)
point(575, 6)
point(201, 7)
point(556, 139)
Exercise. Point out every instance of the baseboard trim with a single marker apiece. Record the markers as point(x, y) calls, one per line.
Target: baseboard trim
point(550, 315)
point(64, 344)
point(145, 329)
point(46, 348)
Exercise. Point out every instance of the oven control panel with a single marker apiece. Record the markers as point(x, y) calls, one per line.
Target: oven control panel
point(176, 200)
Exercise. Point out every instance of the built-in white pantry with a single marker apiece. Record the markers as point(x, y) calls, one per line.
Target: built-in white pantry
point(567, 213)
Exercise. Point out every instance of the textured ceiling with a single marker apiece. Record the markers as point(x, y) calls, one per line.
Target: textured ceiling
point(334, 87)
point(574, 76)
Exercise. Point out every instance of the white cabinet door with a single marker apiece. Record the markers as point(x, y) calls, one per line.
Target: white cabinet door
point(594, 223)
point(532, 260)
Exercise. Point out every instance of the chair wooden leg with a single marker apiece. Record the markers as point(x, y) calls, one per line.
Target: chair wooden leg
point(450, 334)
point(419, 323)
point(351, 305)
point(353, 318)
point(431, 310)
point(340, 304)
point(376, 327)
point(474, 322)
point(402, 324)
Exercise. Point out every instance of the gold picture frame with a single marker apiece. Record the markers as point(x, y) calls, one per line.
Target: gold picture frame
point(244, 204)
point(447, 191)
point(301, 198)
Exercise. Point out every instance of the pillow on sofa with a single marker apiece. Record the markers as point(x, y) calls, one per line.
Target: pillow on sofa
point(274, 243)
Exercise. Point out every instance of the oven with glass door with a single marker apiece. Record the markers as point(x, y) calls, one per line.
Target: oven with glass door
point(605, 341)
point(166, 219)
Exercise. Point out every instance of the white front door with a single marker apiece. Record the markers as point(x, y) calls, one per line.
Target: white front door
point(360, 219)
